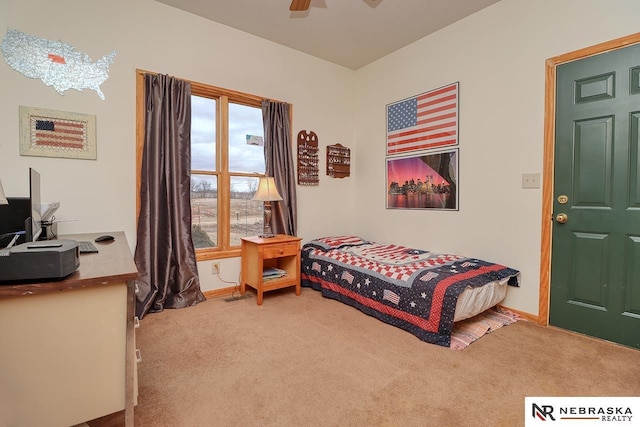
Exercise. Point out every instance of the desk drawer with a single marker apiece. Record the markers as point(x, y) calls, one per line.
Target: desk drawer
point(280, 249)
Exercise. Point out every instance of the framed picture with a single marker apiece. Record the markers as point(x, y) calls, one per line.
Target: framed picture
point(423, 181)
point(422, 122)
point(50, 133)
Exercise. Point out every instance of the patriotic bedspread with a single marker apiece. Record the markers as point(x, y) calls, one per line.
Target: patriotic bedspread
point(413, 289)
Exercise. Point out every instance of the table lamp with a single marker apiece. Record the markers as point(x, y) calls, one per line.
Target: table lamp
point(267, 193)
point(3, 198)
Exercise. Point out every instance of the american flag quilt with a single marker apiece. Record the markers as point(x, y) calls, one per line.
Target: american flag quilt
point(413, 289)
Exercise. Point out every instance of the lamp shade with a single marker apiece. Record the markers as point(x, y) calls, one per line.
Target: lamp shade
point(3, 198)
point(267, 191)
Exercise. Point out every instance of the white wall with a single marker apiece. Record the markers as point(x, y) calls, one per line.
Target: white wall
point(100, 195)
point(498, 56)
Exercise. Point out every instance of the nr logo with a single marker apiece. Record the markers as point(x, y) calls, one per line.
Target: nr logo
point(542, 412)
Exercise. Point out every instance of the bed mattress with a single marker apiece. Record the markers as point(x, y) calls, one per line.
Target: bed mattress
point(416, 290)
point(473, 301)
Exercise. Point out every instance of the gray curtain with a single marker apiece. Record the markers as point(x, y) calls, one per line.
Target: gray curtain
point(280, 164)
point(164, 255)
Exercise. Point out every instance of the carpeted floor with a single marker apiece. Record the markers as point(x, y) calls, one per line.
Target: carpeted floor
point(311, 361)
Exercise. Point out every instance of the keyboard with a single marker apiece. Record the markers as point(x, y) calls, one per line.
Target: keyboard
point(87, 248)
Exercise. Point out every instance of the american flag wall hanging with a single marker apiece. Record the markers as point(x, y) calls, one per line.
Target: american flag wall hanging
point(428, 120)
point(50, 133)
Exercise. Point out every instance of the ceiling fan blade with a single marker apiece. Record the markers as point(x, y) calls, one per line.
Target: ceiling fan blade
point(372, 3)
point(299, 5)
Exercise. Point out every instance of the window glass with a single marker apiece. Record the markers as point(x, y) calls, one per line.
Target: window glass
point(227, 160)
point(203, 133)
point(204, 211)
point(246, 139)
point(246, 214)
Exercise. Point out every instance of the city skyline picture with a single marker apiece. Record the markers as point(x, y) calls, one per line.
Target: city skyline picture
point(424, 181)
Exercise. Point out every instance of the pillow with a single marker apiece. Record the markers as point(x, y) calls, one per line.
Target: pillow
point(337, 242)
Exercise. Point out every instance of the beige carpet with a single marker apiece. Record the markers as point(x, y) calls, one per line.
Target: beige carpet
point(311, 361)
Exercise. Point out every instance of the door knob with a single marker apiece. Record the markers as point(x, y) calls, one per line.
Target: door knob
point(561, 218)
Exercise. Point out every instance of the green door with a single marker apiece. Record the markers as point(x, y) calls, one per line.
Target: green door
point(595, 275)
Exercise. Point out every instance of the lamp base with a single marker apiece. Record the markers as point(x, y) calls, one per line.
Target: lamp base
point(266, 228)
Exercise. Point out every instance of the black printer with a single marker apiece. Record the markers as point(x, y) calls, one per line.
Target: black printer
point(45, 259)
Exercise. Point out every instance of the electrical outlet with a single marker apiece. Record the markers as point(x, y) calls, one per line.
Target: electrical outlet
point(215, 268)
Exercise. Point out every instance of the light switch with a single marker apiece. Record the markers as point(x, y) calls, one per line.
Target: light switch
point(530, 180)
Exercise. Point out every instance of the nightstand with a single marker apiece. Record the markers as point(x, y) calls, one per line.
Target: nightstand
point(280, 252)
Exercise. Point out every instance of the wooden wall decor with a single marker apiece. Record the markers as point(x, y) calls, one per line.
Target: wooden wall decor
point(338, 161)
point(308, 158)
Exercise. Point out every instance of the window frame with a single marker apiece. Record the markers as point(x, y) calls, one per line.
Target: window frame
point(223, 97)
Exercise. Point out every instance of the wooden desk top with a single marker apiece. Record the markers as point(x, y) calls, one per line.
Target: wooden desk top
point(112, 264)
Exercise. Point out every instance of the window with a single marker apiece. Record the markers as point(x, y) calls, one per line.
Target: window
point(227, 159)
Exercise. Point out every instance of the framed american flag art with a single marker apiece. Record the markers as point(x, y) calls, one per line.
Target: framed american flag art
point(425, 121)
point(51, 133)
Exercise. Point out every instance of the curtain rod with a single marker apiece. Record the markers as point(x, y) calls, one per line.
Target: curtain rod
point(214, 88)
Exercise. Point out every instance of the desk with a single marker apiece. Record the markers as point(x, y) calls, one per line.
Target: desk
point(67, 347)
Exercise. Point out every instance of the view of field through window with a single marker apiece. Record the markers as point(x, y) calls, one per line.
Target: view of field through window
point(246, 215)
point(244, 145)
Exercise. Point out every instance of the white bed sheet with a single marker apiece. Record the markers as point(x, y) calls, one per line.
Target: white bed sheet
point(474, 301)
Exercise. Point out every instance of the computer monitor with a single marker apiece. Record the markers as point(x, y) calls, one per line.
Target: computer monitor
point(12, 220)
point(33, 226)
point(21, 220)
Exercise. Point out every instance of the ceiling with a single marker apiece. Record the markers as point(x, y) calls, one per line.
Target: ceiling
point(351, 33)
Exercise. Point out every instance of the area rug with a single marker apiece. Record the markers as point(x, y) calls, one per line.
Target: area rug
point(469, 330)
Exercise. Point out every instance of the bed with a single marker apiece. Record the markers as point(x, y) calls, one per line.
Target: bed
point(416, 290)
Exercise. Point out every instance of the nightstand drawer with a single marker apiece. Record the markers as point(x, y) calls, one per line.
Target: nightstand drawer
point(279, 250)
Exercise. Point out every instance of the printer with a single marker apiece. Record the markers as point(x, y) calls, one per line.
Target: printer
point(40, 260)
